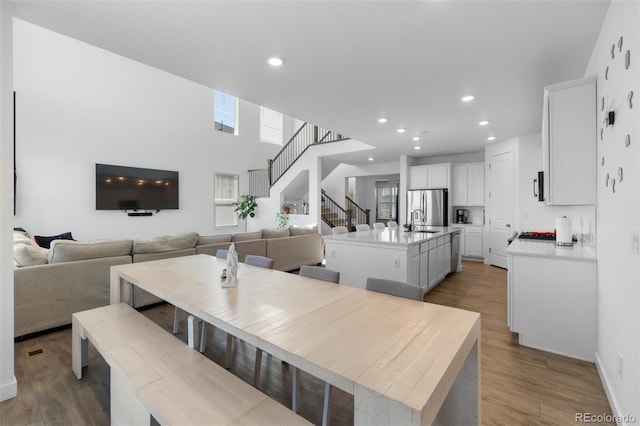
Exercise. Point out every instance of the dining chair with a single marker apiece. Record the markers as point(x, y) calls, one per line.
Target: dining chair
point(320, 273)
point(261, 261)
point(394, 288)
point(339, 230)
point(222, 254)
point(363, 227)
point(331, 276)
point(392, 224)
point(379, 225)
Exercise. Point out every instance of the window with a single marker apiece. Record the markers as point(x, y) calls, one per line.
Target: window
point(225, 108)
point(386, 200)
point(226, 193)
point(271, 126)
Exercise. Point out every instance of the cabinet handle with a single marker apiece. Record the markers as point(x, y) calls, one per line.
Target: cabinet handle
point(508, 225)
point(535, 186)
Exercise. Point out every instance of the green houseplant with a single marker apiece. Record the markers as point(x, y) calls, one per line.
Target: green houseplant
point(246, 207)
point(282, 218)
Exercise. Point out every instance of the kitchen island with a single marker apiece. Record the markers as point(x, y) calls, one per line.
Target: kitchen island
point(422, 258)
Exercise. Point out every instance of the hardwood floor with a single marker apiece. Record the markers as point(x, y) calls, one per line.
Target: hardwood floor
point(520, 386)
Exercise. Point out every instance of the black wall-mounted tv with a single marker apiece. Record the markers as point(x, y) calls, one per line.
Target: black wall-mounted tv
point(133, 188)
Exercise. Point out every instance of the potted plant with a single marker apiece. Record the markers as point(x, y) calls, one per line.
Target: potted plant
point(246, 207)
point(282, 218)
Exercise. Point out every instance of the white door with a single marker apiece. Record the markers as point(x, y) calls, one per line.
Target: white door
point(501, 176)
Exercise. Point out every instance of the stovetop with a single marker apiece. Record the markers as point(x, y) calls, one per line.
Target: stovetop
point(546, 236)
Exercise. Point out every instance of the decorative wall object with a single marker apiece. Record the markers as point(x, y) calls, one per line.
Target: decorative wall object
point(614, 110)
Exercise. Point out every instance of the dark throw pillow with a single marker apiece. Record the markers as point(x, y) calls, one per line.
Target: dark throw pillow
point(46, 241)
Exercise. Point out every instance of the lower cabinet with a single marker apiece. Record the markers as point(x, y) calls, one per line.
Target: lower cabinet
point(429, 262)
point(472, 241)
point(552, 304)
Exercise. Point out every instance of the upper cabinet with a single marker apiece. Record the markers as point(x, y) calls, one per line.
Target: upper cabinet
point(468, 184)
point(432, 176)
point(569, 143)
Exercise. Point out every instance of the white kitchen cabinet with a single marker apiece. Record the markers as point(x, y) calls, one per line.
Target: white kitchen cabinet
point(417, 177)
point(468, 184)
point(447, 258)
point(552, 302)
point(473, 241)
point(569, 142)
point(432, 176)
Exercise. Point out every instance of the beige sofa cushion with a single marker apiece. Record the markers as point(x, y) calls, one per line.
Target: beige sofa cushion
point(26, 254)
point(214, 239)
point(246, 236)
point(275, 233)
point(303, 230)
point(67, 250)
point(164, 243)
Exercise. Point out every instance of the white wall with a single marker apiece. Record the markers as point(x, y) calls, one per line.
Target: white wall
point(618, 215)
point(471, 157)
point(79, 105)
point(8, 385)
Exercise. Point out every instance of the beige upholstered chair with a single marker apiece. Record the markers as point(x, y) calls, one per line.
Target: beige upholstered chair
point(328, 275)
point(392, 224)
point(394, 288)
point(222, 254)
point(339, 230)
point(379, 225)
point(363, 227)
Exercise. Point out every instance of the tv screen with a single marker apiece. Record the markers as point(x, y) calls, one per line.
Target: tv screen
point(133, 188)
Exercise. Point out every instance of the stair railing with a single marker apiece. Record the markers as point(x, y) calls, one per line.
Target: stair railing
point(358, 214)
point(306, 136)
point(333, 214)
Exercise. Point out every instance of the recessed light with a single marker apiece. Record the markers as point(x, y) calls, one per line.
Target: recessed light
point(416, 138)
point(491, 138)
point(416, 148)
point(467, 98)
point(401, 130)
point(382, 120)
point(275, 61)
point(483, 123)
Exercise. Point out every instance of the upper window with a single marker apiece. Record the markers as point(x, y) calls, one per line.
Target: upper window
point(271, 126)
point(225, 112)
point(226, 193)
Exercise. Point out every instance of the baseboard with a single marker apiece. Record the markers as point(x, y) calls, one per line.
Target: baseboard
point(9, 390)
point(617, 412)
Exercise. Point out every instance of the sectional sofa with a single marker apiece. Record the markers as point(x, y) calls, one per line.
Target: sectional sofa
point(72, 276)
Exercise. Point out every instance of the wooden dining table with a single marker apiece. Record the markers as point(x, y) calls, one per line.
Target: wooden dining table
point(405, 362)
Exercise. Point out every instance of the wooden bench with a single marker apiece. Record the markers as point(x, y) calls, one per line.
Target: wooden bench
point(155, 374)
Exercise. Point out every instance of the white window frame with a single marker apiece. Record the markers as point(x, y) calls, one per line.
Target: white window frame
point(224, 204)
point(271, 126)
point(218, 109)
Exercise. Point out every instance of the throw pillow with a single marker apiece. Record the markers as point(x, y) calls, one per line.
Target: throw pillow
point(246, 236)
point(45, 242)
point(214, 239)
point(28, 255)
point(275, 233)
point(303, 230)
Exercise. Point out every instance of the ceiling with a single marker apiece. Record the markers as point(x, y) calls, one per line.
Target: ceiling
point(348, 63)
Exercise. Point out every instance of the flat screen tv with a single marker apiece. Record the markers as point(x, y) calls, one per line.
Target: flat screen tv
point(133, 188)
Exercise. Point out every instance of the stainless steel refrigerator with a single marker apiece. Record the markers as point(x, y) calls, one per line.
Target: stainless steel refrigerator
point(428, 207)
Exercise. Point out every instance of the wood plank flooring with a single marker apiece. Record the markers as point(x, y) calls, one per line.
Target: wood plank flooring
point(520, 386)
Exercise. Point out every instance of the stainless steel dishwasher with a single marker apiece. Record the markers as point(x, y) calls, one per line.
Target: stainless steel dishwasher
point(455, 250)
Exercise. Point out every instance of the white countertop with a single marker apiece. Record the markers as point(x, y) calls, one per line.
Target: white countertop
point(578, 251)
point(392, 236)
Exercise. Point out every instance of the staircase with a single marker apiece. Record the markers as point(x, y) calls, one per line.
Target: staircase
point(335, 215)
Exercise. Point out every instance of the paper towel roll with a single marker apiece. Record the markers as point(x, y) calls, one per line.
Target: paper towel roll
point(563, 231)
